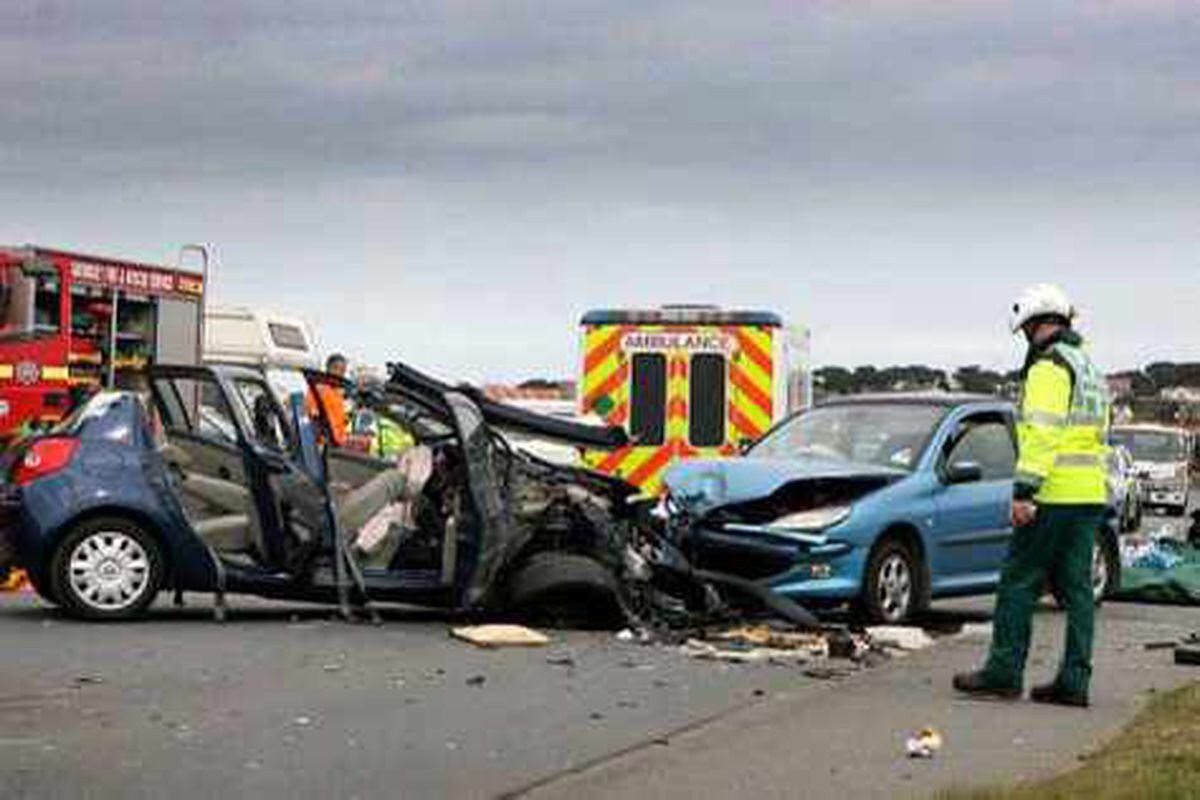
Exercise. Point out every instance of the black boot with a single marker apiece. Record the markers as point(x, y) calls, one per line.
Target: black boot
point(1056, 695)
point(976, 684)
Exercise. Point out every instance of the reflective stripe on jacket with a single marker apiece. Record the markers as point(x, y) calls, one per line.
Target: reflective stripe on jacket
point(1062, 429)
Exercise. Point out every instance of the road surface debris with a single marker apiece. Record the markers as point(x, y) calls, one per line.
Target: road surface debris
point(500, 636)
point(925, 744)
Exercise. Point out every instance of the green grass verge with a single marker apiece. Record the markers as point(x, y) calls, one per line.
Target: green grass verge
point(1157, 756)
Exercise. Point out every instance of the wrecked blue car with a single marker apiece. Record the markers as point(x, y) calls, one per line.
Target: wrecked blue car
point(883, 502)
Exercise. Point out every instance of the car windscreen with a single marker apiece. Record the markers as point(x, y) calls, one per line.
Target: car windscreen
point(1158, 446)
point(890, 435)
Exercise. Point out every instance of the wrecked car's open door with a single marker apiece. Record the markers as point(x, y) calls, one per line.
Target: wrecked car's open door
point(476, 519)
point(233, 454)
point(395, 519)
point(497, 536)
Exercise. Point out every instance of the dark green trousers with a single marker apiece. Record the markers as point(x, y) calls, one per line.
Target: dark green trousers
point(1058, 548)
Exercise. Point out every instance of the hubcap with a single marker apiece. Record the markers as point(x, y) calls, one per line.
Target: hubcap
point(109, 570)
point(895, 587)
point(1099, 572)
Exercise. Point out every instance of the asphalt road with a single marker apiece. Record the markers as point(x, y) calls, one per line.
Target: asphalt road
point(284, 701)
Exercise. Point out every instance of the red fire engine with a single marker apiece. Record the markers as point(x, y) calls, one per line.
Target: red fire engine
point(70, 323)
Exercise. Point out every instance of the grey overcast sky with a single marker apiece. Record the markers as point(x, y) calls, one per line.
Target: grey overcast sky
point(453, 183)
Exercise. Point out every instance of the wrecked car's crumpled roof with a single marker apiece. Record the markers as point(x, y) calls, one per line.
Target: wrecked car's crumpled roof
point(509, 417)
point(704, 485)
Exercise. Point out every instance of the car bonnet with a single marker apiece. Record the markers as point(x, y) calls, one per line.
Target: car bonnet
point(700, 486)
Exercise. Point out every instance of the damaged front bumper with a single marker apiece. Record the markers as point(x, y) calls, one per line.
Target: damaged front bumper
point(806, 566)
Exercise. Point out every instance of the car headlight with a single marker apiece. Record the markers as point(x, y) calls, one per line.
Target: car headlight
point(815, 520)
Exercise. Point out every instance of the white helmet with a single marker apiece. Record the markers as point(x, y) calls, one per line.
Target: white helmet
point(1042, 300)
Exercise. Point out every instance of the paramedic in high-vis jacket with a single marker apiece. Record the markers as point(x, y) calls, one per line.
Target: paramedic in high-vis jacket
point(1059, 497)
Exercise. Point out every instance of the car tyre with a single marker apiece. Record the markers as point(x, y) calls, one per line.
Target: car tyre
point(892, 588)
point(1106, 570)
point(566, 590)
point(107, 568)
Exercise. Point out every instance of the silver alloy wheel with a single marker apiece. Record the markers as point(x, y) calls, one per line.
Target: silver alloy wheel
point(109, 571)
point(895, 587)
point(1099, 572)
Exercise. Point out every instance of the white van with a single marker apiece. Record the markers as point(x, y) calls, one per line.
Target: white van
point(1162, 458)
point(548, 449)
point(276, 344)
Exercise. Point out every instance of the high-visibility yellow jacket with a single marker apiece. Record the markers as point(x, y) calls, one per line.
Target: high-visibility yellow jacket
point(1062, 429)
point(388, 438)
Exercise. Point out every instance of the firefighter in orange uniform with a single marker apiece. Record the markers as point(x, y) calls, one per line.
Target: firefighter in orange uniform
point(333, 400)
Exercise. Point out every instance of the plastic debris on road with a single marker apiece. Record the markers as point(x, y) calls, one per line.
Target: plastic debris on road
point(1160, 550)
point(759, 644)
point(1159, 570)
point(899, 637)
point(925, 744)
point(976, 630)
point(640, 635)
point(492, 636)
point(741, 654)
point(764, 636)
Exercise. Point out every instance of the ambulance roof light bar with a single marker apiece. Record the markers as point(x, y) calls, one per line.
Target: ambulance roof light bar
point(682, 314)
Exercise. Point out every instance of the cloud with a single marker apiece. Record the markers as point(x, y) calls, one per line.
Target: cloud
point(213, 89)
point(852, 163)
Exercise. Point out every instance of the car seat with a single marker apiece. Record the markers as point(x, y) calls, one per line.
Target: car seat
point(221, 512)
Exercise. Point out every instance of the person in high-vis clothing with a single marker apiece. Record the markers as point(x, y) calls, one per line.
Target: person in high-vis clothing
point(386, 438)
point(1060, 494)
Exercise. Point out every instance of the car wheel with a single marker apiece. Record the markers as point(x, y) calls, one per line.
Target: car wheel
point(1106, 571)
point(891, 591)
point(108, 568)
point(566, 590)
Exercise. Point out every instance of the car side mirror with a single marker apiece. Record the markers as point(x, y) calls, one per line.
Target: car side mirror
point(964, 472)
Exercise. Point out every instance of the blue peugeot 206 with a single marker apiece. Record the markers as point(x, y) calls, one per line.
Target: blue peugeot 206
point(884, 502)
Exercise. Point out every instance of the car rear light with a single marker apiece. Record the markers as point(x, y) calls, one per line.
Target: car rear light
point(43, 457)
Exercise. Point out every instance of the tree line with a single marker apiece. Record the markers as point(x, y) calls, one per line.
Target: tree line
point(1145, 382)
point(912, 377)
point(1160, 375)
